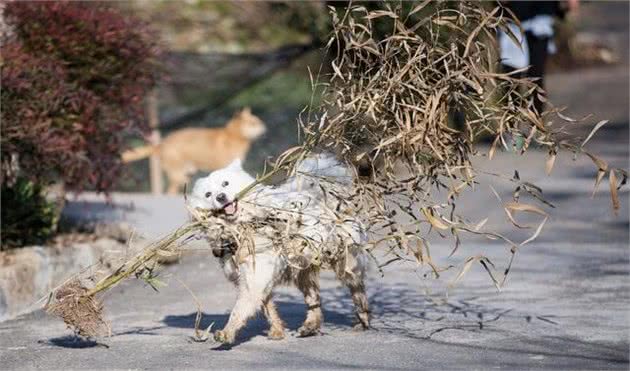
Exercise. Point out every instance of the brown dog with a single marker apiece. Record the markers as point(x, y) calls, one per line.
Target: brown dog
point(187, 151)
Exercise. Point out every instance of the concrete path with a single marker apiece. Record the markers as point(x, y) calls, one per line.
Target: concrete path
point(565, 305)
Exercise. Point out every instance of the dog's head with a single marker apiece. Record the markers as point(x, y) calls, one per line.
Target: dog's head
point(250, 125)
point(217, 192)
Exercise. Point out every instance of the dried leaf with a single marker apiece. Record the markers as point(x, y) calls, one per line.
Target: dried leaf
point(493, 147)
point(597, 127)
point(419, 7)
point(601, 164)
point(536, 233)
point(475, 32)
point(435, 222)
point(485, 262)
point(465, 268)
point(381, 13)
point(480, 224)
point(516, 206)
point(612, 178)
point(598, 180)
point(550, 161)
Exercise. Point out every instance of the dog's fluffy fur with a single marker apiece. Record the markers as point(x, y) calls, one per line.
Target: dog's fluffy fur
point(256, 276)
point(186, 151)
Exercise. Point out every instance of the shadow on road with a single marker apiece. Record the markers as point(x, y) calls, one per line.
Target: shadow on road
point(394, 308)
point(401, 311)
point(290, 309)
point(73, 342)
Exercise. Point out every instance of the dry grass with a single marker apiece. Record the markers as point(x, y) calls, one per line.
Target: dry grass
point(387, 107)
point(399, 75)
point(81, 312)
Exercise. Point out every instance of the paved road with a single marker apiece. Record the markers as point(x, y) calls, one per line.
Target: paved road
point(565, 305)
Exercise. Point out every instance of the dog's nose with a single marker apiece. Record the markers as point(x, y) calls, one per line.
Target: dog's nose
point(221, 197)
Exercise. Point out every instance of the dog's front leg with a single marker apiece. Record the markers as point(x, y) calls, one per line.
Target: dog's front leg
point(246, 306)
point(276, 325)
point(254, 285)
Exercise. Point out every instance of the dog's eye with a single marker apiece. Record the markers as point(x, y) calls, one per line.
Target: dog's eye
point(208, 194)
point(225, 184)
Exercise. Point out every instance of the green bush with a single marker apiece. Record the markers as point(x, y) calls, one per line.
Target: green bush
point(27, 216)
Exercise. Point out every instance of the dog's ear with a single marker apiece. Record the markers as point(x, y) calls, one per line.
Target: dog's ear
point(243, 113)
point(236, 164)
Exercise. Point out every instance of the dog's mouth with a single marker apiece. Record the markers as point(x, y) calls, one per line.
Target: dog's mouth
point(231, 208)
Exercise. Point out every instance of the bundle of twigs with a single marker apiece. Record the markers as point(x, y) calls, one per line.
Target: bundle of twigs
point(400, 74)
point(78, 305)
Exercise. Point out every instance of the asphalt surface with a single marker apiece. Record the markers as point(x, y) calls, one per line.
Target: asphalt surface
point(565, 305)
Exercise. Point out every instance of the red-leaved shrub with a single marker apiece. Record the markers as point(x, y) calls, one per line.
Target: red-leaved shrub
point(74, 78)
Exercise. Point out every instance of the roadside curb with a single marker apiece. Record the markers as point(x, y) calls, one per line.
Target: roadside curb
point(28, 274)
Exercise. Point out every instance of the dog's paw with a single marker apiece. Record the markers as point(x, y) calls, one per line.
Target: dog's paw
point(306, 330)
point(362, 321)
point(223, 337)
point(360, 326)
point(276, 333)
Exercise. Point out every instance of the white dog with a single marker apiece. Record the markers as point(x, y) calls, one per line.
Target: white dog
point(256, 281)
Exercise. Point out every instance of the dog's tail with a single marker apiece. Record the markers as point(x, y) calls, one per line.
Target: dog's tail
point(138, 153)
point(304, 185)
point(323, 164)
point(318, 168)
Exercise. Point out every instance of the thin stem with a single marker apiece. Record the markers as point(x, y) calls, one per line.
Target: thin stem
point(138, 261)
